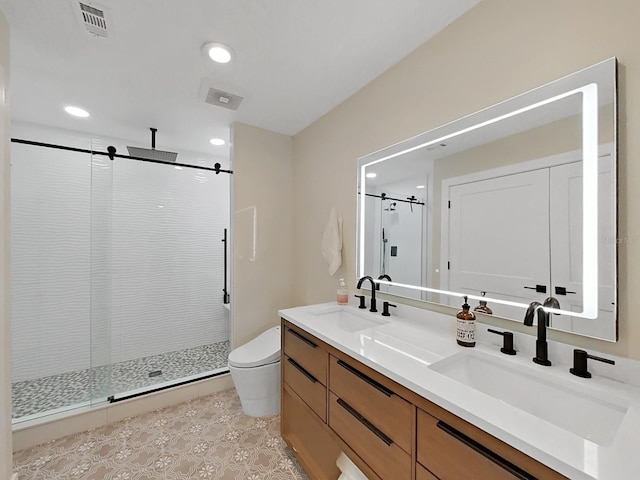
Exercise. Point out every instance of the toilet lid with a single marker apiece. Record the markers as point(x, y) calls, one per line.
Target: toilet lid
point(262, 350)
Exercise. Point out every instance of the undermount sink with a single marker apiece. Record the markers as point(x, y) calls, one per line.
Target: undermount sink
point(568, 405)
point(347, 320)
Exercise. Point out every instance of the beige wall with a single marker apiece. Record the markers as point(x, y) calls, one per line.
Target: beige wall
point(497, 50)
point(261, 281)
point(5, 331)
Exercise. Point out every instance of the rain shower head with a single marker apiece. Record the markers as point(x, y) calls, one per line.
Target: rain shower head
point(152, 153)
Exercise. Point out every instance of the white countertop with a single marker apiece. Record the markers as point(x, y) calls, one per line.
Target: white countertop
point(413, 339)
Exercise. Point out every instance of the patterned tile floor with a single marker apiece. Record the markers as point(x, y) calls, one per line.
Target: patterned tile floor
point(207, 438)
point(42, 394)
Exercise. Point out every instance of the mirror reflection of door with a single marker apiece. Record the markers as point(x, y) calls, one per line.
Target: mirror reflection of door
point(566, 254)
point(539, 212)
point(491, 223)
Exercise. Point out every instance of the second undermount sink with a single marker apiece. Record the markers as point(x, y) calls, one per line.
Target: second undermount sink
point(568, 405)
point(348, 319)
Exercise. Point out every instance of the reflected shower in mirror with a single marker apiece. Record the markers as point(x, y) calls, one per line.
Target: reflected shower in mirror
point(517, 200)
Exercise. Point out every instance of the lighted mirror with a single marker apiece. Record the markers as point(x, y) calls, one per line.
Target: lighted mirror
point(517, 200)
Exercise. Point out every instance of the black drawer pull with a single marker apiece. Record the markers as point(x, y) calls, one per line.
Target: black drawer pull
point(304, 339)
point(302, 370)
point(363, 377)
point(485, 452)
point(365, 422)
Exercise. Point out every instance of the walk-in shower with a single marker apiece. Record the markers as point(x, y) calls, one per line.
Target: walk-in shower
point(118, 271)
point(395, 220)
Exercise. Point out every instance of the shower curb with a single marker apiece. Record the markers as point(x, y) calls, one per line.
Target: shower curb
point(35, 432)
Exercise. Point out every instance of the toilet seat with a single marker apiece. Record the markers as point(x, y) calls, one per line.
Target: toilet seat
point(262, 350)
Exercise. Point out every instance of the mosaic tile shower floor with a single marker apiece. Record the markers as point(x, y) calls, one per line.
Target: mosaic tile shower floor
point(42, 394)
point(206, 438)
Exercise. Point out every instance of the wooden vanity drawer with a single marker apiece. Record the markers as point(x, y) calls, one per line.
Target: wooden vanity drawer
point(374, 446)
point(441, 448)
point(386, 410)
point(308, 388)
point(304, 349)
point(314, 445)
point(424, 474)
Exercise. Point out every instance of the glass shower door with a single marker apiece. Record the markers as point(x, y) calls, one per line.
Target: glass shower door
point(54, 327)
point(168, 321)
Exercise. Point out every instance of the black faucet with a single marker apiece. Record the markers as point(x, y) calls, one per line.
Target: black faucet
point(542, 355)
point(383, 277)
point(373, 291)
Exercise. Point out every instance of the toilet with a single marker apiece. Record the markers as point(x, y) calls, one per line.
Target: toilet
point(255, 369)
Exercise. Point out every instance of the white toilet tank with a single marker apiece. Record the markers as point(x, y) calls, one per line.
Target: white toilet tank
point(255, 369)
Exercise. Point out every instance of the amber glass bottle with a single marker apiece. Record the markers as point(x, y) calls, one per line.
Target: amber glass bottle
point(466, 328)
point(482, 308)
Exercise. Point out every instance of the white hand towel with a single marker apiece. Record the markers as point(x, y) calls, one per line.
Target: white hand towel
point(350, 470)
point(332, 241)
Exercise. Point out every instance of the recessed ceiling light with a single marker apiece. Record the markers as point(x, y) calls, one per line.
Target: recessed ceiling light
point(371, 175)
point(216, 141)
point(419, 186)
point(218, 52)
point(76, 111)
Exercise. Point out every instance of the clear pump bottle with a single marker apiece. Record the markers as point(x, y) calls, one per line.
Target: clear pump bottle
point(343, 293)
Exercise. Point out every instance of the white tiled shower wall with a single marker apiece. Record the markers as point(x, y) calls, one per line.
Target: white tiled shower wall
point(155, 243)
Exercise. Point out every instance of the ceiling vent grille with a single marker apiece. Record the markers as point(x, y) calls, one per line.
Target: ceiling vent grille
point(223, 99)
point(93, 18)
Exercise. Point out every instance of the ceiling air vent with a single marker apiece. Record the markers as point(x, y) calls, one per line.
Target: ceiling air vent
point(93, 17)
point(219, 98)
point(223, 99)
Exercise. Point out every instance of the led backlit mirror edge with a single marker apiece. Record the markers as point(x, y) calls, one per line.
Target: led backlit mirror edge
point(589, 95)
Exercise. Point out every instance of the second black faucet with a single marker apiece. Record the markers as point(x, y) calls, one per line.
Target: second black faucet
point(542, 355)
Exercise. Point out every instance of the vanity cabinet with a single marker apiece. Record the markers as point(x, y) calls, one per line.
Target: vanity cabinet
point(304, 369)
point(332, 403)
point(308, 388)
point(304, 366)
point(391, 414)
point(367, 413)
point(306, 351)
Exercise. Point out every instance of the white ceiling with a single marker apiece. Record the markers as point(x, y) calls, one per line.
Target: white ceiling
point(294, 61)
